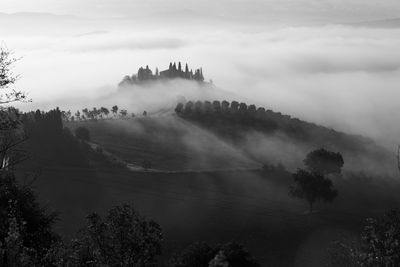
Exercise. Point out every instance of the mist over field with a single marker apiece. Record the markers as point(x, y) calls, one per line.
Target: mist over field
point(339, 75)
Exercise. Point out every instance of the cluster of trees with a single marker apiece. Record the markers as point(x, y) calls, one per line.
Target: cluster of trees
point(27, 238)
point(121, 238)
point(97, 114)
point(313, 183)
point(238, 114)
point(231, 119)
point(173, 71)
point(47, 138)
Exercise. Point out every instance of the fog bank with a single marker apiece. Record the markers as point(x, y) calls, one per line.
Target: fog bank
point(339, 76)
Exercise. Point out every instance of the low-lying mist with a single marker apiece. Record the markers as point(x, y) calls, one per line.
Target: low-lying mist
point(342, 77)
point(280, 149)
point(169, 143)
point(173, 143)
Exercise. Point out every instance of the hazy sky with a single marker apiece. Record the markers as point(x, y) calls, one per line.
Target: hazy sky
point(292, 56)
point(348, 10)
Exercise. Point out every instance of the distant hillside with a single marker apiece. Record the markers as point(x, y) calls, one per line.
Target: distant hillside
point(222, 135)
point(167, 142)
point(250, 127)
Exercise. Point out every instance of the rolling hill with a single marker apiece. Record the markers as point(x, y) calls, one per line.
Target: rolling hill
point(206, 184)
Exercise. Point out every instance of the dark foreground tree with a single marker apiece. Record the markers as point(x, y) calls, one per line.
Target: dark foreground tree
point(8, 93)
point(123, 238)
point(82, 134)
point(312, 187)
point(26, 234)
point(378, 247)
point(203, 255)
point(324, 162)
point(381, 240)
point(11, 134)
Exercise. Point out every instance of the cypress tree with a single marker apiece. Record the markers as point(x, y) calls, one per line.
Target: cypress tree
point(187, 71)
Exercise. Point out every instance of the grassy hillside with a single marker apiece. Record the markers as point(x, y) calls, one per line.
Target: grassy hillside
point(251, 207)
point(269, 136)
point(168, 142)
point(206, 186)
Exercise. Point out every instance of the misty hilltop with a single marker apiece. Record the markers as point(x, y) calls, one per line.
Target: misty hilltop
point(174, 71)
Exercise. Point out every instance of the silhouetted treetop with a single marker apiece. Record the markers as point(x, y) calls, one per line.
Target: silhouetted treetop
point(312, 187)
point(324, 162)
point(173, 72)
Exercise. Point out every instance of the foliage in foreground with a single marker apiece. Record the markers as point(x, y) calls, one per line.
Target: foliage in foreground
point(26, 234)
point(379, 247)
point(122, 238)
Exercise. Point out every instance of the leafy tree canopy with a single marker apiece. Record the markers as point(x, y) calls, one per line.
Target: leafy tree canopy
point(25, 227)
point(324, 161)
point(312, 187)
point(381, 240)
point(122, 238)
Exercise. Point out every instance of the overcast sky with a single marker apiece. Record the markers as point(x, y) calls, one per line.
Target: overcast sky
point(294, 56)
point(334, 10)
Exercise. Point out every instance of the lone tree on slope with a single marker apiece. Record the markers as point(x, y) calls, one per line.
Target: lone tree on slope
point(312, 187)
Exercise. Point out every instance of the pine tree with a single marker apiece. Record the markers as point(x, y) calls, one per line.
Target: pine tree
point(187, 72)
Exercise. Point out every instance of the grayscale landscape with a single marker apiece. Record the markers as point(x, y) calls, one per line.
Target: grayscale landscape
point(199, 133)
